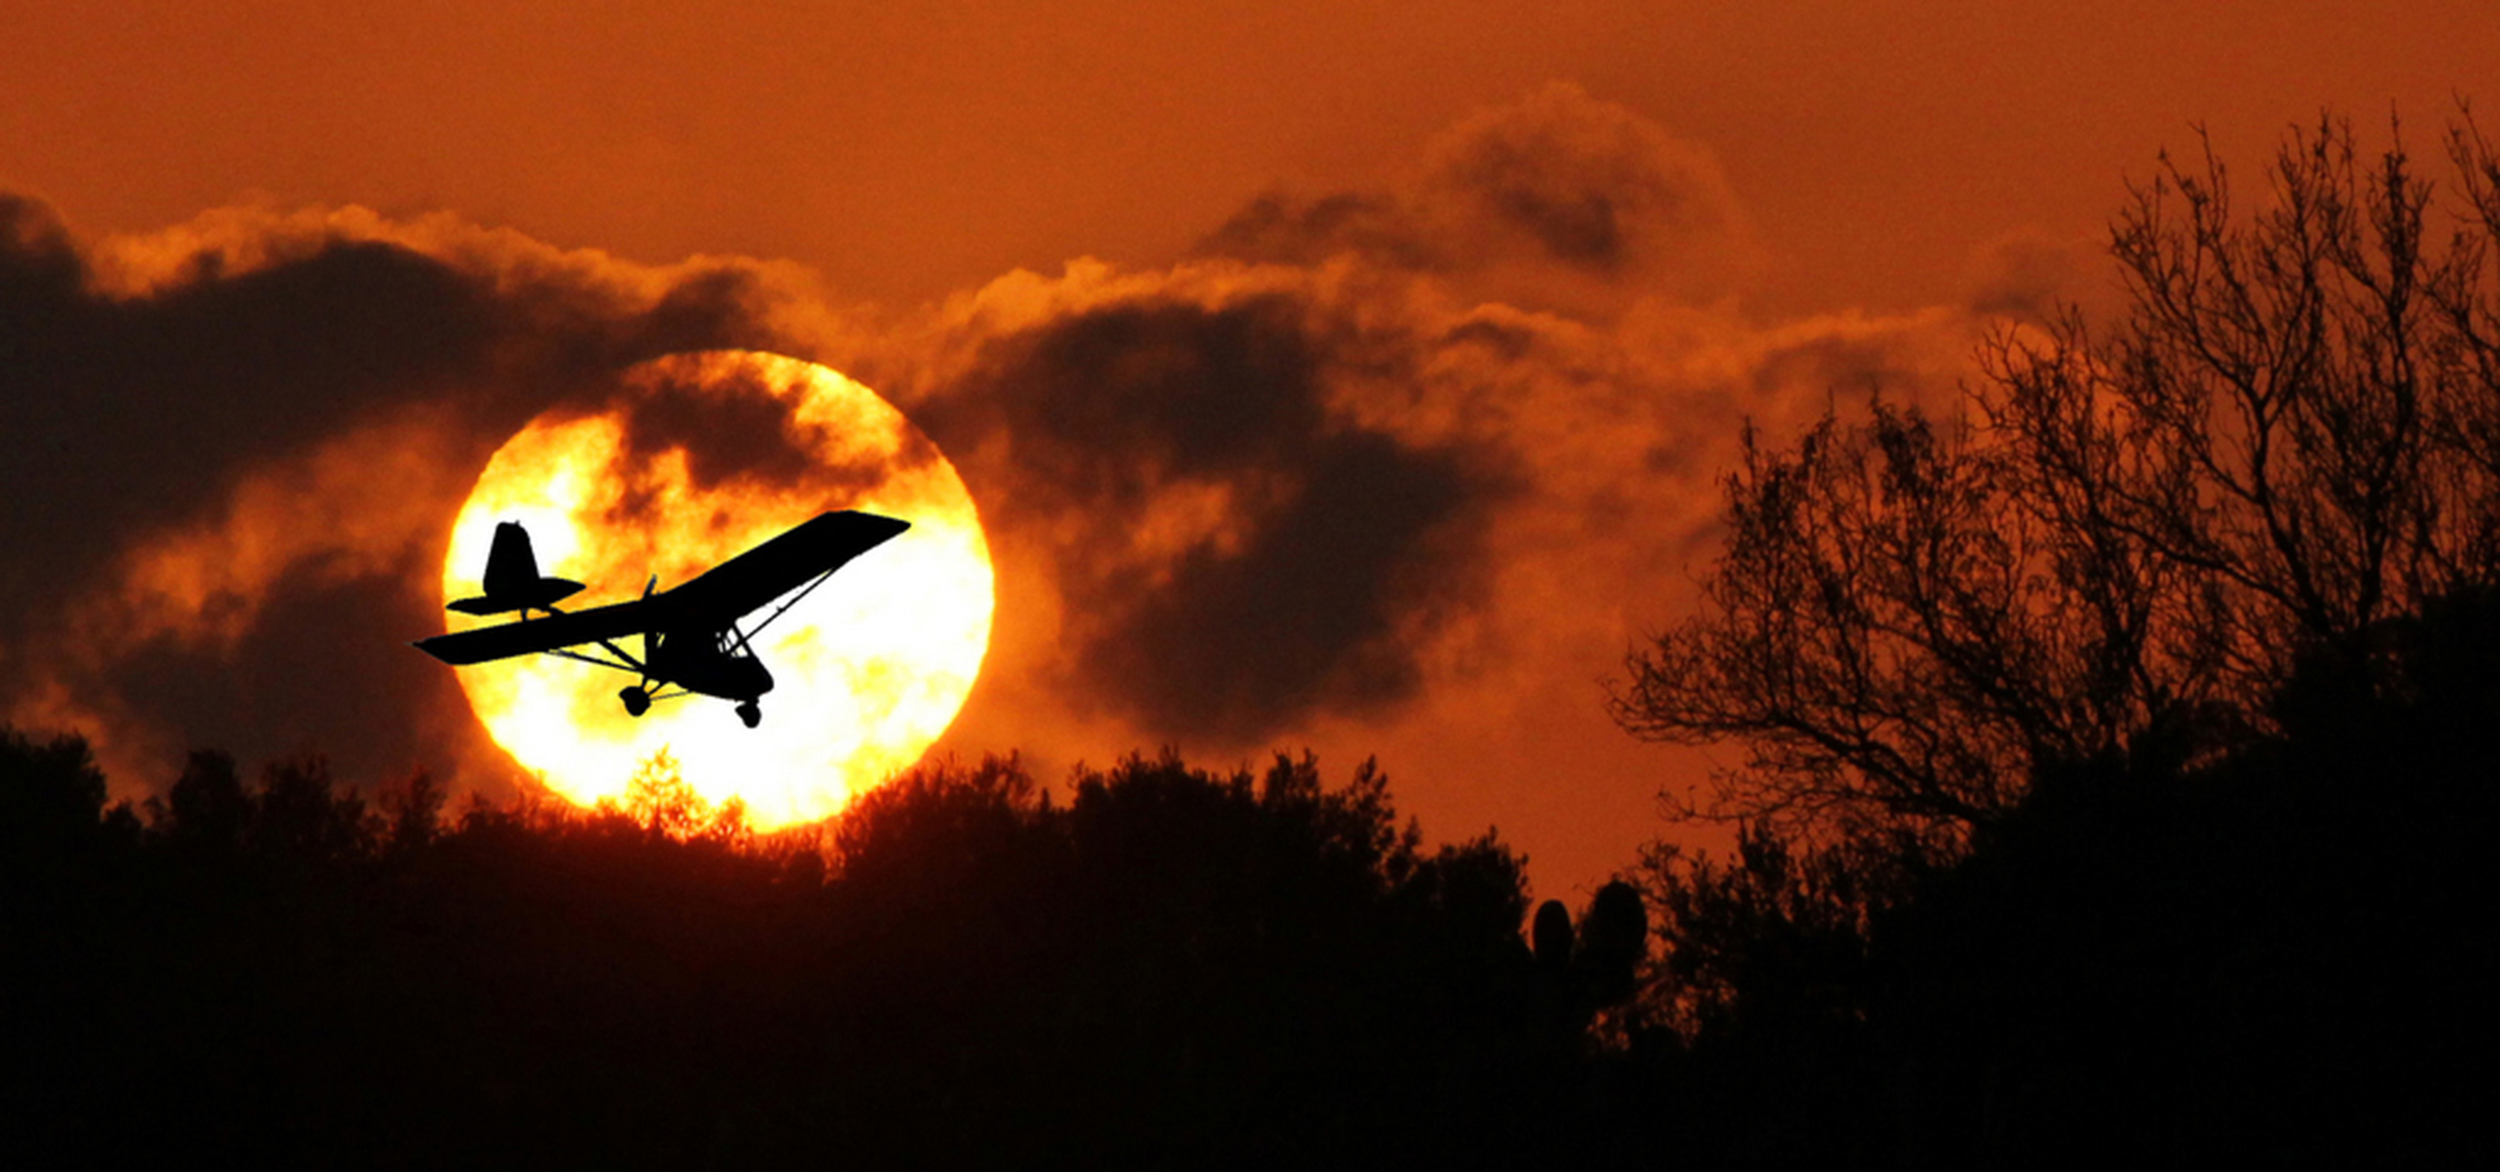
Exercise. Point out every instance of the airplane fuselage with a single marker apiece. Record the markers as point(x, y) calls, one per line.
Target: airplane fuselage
point(699, 661)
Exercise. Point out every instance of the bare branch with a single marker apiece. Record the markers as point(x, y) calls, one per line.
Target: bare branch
point(2293, 436)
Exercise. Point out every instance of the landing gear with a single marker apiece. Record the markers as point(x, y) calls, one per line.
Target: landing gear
point(636, 700)
point(751, 714)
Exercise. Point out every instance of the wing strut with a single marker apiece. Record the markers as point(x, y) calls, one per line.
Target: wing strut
point(622, 662)
point(778, 611)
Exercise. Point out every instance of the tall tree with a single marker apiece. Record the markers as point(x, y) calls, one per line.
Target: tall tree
point(2127, 541)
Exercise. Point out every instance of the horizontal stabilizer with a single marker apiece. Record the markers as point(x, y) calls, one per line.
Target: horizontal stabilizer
point(551, 633)
point(542, 594)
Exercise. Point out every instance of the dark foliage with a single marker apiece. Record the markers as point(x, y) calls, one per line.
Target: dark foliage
point(2130, 536)
point(1171, 968)
point(2119, 763)
point(2280, 957)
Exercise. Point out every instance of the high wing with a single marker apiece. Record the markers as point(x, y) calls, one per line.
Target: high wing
point(731, 590)
point(599, 623)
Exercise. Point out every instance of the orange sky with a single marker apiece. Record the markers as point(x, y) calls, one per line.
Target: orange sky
point(906, 150)
point(1861, 164)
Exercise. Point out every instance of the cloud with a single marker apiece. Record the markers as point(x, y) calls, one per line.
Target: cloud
point(234, 448)
point(1234, 503)
point(1368, 466)
point(120, 414)
point(1547, 201)
point(2030, 274)
point(1232, 552)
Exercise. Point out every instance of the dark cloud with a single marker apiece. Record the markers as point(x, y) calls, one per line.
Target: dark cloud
point(1281, 228)
point(1432, 453)
point(120, 414)
point(170, 569)
point(1840, 367)
point(1105, 405)
point(1298, 590)
point(733, 429)
point(1404, 444)
point(318, 672)
point(1556, 180)
point(1594, 185)
point(1321, 610)
point(2032, 275)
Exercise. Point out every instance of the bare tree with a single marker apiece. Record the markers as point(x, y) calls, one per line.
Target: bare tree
point(2124, 544)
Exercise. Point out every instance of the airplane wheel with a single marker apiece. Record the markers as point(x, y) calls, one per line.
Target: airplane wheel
point(751, 714)
point(636, 701)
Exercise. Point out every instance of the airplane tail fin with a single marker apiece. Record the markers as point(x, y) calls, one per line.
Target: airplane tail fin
point(512, 579)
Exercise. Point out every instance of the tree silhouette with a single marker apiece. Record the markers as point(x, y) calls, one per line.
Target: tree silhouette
point(48, 792)
point(2129, 541)
point(1155, 965)
point(2115, 750)
point(206, 810)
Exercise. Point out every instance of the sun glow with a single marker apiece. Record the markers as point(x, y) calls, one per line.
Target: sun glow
point(869, 668)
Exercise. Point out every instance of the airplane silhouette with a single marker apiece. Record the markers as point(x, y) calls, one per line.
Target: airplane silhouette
point(690, 633)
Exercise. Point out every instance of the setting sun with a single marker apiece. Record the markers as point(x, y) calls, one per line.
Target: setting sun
point(704, 457)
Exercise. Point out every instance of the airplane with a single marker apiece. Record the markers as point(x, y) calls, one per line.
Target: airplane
point(691, 636)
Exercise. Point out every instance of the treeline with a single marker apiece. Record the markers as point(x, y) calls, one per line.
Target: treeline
point(1170, 967)
point(2118, 741)
point(2287, 955)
